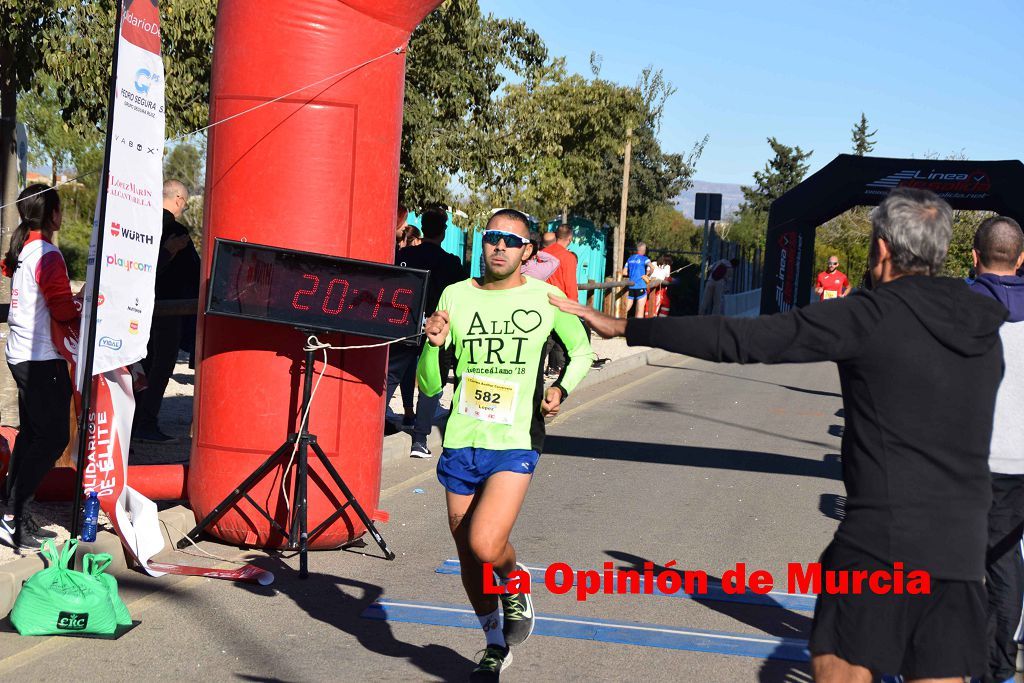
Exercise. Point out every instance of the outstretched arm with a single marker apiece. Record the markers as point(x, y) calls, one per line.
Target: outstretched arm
point(814, 333)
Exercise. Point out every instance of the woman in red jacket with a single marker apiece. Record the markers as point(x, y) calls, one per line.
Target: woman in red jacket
point(40, 295)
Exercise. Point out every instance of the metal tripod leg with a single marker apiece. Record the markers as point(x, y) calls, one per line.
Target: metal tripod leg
point(240, 491)
point(351, 500)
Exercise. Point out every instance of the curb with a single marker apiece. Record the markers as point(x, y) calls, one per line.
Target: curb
point(14, 574)
point(396, 446)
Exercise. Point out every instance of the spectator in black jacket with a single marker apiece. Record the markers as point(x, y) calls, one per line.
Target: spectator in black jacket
point(445, 269)
point(177, 277)
point(919, 362)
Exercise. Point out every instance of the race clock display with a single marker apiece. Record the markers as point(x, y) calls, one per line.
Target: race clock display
point(316, 292)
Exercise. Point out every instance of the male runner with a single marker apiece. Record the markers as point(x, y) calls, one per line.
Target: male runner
point(831, 283)
point(638, 267)
point(498, 325)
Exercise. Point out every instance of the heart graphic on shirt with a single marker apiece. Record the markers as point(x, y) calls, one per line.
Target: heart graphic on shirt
point(527, 321)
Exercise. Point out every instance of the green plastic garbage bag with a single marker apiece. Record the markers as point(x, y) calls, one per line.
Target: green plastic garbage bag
point(60, 601)
point(95, 565)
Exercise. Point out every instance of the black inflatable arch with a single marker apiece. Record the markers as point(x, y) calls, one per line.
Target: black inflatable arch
point(849, 181)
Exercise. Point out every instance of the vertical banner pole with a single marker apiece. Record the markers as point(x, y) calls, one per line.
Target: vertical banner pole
point(92, 297)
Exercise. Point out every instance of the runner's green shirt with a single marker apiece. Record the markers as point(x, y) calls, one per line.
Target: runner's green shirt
point(498, 337)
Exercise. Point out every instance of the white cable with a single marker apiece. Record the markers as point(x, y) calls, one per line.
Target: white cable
point(341, 74)
point(314, 344)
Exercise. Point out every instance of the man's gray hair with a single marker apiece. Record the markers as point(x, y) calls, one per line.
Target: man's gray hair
point(917, 225)
point(173, 188)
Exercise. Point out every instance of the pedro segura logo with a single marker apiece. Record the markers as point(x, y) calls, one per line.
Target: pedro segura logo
point(560, 578)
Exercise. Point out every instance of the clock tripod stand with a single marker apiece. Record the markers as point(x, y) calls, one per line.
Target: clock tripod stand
point(300, 443)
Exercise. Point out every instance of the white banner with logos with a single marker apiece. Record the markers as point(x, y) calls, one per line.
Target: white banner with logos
point(134, 212)
point(131, 228)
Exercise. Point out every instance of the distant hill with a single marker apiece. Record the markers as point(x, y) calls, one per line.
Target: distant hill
point(731, 197)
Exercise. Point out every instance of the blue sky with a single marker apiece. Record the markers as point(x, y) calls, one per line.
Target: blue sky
point(932, 77)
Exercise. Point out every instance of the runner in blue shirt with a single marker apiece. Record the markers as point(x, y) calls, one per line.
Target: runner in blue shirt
point(637, 268)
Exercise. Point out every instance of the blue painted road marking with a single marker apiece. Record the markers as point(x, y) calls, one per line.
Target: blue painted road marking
point(791, 601)
point(603, 630)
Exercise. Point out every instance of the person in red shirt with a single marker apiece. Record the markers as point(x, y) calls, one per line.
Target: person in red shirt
point(831, 283)
point(565, 279)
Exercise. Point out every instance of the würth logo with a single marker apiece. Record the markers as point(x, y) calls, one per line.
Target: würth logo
point(134, 235)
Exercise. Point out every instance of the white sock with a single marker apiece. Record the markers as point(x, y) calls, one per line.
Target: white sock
point(491, 624)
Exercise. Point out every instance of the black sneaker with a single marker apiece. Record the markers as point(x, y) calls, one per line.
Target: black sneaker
point(14, 537)
point(154, 436)
point(517, 615)
point(419, 450)
point(495, 660)
point(32, 526)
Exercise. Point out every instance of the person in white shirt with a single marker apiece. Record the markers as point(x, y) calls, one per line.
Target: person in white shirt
point(40, 299)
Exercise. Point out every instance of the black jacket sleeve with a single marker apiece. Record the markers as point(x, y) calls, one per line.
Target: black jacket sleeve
point(832, 331)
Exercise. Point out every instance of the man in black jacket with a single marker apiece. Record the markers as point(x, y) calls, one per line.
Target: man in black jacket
point(177, 277)
point(919, 362)
point(445, 269)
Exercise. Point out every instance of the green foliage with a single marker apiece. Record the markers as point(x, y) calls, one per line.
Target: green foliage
point(862, 142)
point(185, 163)
point(51, 140)
point(847, 236)
point(458, 60)
point(78, 202)
point(665, 229)
point(78, 50)
point(780, 175)
point(558, 145)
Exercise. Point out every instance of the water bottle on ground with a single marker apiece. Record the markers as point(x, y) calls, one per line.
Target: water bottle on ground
point(92, 514)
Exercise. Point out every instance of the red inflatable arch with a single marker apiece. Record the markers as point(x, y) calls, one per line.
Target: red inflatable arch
point(316, 171)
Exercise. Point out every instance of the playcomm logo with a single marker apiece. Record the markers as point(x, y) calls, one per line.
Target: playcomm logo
point(110, 343)
point(129, 264)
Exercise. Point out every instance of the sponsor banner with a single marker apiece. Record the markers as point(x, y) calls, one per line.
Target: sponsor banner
point(126, 265)
point(133, 221)
point(951, 186)
point(790, 245)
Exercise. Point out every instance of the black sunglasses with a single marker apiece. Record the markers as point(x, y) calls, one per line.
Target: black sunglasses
point(512, 240)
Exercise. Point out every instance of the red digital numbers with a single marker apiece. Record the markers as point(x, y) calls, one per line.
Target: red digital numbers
point(337, 292)
point(400, 307)
point(376, 308)
point(295, 299)
point(341, 302)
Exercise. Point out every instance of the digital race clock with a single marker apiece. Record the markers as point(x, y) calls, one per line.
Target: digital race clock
point(316, 292)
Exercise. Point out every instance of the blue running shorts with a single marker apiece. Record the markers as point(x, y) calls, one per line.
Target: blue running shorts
point(463, 470)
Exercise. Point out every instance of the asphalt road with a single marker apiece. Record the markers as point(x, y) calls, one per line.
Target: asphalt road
point(704, 465)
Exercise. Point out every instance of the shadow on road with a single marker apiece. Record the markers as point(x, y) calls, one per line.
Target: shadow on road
point(667, 407)
point(337, 602)
point(802, 390)
point(832, 506)
point(773, 620)
point(691, 456)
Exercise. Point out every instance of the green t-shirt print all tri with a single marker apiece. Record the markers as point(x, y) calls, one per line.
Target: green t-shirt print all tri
point(499, 337)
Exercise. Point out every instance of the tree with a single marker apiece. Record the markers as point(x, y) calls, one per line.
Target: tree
point(781, 174)
point(51, 140)
point(458, 60)
point(22, 47)
point(664, 229)
point(557, 146)
point(862, 142)
point(185, 163)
